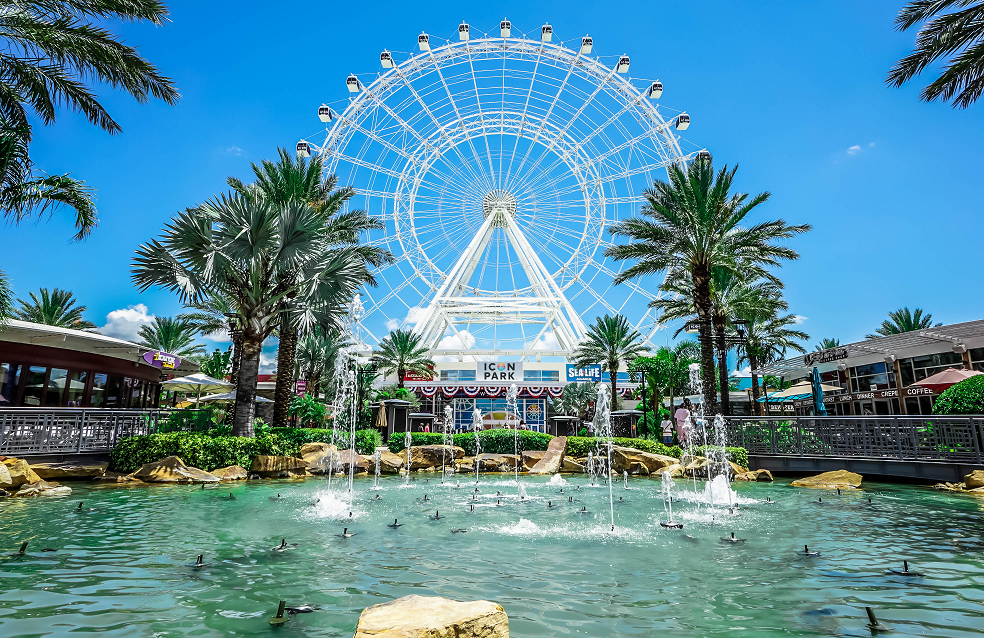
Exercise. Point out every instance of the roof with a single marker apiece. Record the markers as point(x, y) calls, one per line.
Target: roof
point(26, 332)
point(946, 336)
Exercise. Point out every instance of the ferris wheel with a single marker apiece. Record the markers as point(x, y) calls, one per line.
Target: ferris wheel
point(497, 160)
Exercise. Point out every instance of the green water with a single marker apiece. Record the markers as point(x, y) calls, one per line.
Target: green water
point(123, 566)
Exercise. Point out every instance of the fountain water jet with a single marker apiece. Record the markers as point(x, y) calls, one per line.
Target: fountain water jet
point(603, 427)
point(477, 426)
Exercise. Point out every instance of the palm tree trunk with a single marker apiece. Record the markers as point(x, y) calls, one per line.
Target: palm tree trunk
point(753, 364)
point(242, 424)
point(237, 355)
point(702, 301)
point(400, 373)
point(613, 377)
point(286, 361)
point(722, 356)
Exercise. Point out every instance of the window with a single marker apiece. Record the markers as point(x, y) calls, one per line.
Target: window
point(541, 376)
point(113, 392)
point(76, 388)
point(97, 398)
point(9, 381)
point(34, 386)
point(977, 359)
point(458, 375)
point(56, 388)
point(872, 374)
point(918, 368)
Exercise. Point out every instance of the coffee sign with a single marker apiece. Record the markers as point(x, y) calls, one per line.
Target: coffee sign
point(825, 356)
point(501, 371)
point(163, 360)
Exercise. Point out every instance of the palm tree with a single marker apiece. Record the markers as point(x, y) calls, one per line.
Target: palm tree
point(54, 308)
point(402, 351)
point(261, 256)
point(768, 339)
point(317, 352)
point(52, 48)
point(903, 320)
point(576, 400)
point(610, 341)
point(6, 300)
point(216, 314)
point(692, 225)
point(174, 336)
point(296, 178)
point(952, 30)
point(827, 343)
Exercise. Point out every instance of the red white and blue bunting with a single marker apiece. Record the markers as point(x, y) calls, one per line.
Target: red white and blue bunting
point(428, 390)
point(471, 390)
point(534, 390)
point(449, 390)
point(493, 390)
point(555, 392)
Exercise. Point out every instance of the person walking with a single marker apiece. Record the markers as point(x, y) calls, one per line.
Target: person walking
point(682, 416)
point(667, 426)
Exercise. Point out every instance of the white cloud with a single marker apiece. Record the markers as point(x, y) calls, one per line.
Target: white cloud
point(392, 324)
point(547, 342)
point(871, 144)
point(854, 150)
point(221, 336)
point(463, 340)
point(743, 373)
point(414, 316)
point(798, 319)
point(268, 362)
point(234, 150)
point(125, 323)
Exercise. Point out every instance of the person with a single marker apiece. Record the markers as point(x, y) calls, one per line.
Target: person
point(667, 426)
point(427, 428)
point(682, 415)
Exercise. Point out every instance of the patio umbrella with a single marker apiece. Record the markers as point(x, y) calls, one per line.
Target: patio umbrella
point(818, 408)
point(943, 380)
point(196, 383)
point(231, 396)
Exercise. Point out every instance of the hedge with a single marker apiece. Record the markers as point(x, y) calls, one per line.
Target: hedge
point(579, 446)
point(966, 397)
point(738, 455)
point(497, 441)
point(210, 452)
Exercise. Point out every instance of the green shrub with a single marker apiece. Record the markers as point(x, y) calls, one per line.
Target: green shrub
point(208, 452)
point(579, 446)
point(738, 455)
point(966, 397)
point(497, 441)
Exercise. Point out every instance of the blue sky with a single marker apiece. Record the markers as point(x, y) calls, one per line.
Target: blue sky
point(793, 92)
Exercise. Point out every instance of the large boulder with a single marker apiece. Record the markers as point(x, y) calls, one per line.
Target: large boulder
point(348, 457)
point(497, 462)
point(433, 617)
point(754, 475)
point(278, 466)
point(320, 457)
point(675, 471)
point(116, 477)
point(570, 465)
point(43, 488)
point(531, 458)
point(553, 459)
point(5, 480)
point(231, 473)
point(309, 448)
point(624, 457)
point(172, 469)
point(70, 470)
point(974, 480)
point(422, 456)
point(20, 473)
point(840, 479)
point(390, 463)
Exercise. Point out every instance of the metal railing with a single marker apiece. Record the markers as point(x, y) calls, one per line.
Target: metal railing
point(75, 430)
point(925, 438)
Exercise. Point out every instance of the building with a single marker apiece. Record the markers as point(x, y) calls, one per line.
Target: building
point(877, 376)
point(50, 367)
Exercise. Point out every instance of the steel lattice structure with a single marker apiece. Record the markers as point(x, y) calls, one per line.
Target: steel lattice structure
point(497, 162)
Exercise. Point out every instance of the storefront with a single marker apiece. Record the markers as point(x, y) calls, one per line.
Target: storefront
point(49, 367)
point(878, 376)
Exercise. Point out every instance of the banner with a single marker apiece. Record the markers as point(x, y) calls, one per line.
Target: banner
point(449, 390)
point(493, 390)
point(471, 390)
point(534, 390)
point(587, 374)
point(556, 392)
point(510, 371)
point(428, 390)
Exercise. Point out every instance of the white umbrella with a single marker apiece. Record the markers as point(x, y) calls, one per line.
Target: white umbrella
point(231, 396)
point(197, 383)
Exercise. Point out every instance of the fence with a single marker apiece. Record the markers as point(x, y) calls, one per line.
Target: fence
point(938, 439)
point(71, 430)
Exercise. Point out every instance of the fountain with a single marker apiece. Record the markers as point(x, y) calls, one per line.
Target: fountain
point(407, 441)
point(447, 439)
point(512, 409)
point(376, 454)
point(477, 427)
point(603, 429)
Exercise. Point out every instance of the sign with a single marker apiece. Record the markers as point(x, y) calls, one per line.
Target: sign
point(912, 391)
point(414, 376)
point(825, 356)
point(591, 374)
point(163, 360)
point(501, 371)
point(300, 387)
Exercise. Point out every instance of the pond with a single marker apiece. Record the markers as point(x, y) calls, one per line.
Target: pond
point(125, 563)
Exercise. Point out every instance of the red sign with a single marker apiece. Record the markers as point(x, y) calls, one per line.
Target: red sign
point(300, 387)
point(413, 376)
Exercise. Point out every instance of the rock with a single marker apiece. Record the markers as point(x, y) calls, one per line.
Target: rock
point(20, 473)
point(465, 468)
point(116, 477)
point(43, 488)
point(830, 480)
point(638, 469)
point(277, 466)
point(319, 457)
point(737, 469)
point(310, 448)
point(531, 458)
point(754, 475)
point(389, 463)
point(348, 457)
point(231, 473)
point(5, 480)
point(553, 459)
point(433, 455)
point(624, 457)
point(675, 471)
point(172, 470)
point(570, 465)
point(497, 462)
point(70, 470)
point(974, 480)
point(433, 617)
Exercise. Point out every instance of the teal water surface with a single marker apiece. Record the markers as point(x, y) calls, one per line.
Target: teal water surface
point(124, 565)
